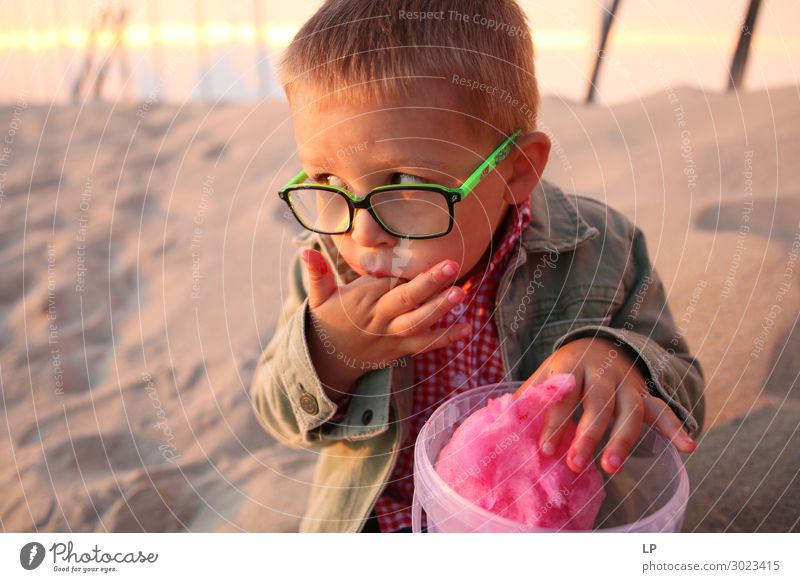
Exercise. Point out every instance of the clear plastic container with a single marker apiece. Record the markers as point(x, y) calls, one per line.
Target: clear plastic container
point(649, 494)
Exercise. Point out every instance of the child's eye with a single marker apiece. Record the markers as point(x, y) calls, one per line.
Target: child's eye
point(327, 179)
point(403, 178)
point(396, 178)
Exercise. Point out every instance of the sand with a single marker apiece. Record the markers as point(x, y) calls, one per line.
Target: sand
point(143, 252)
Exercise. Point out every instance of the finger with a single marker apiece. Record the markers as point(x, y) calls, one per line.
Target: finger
point(321, 283)
point(406, 297)
point(433, 340)
point(627, 424)
point(598, 406)
point(658, 413)
point(559, 414)
point(428, 313)
point(547, 368)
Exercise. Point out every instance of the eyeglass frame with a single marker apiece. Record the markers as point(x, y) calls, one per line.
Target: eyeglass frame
point(451, 195)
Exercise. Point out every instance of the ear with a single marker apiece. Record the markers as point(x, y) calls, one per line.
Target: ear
point(525, 165)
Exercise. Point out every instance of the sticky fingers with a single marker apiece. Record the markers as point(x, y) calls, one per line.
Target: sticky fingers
point(627, 426)
point(658, 413)
point(435, 339)
point(408, 296)
point(428, 313)
point(558, 418)
point(598, 406)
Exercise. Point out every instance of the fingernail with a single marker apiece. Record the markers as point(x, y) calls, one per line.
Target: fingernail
point(465, 331)
point(548, 449)
point(315, 262)
point(579, 460)
point(449, 270)
point(454, 296)
point(615, 460)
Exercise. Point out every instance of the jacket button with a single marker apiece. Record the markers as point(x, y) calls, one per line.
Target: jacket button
point(308, 403)
point(367, 416)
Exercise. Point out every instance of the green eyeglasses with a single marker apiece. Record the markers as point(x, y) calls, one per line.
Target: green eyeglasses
point(415, 211)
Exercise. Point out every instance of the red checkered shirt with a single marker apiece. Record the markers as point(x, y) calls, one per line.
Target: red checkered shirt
point(462, 365)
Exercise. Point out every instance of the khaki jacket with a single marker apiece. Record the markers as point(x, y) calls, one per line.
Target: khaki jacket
point(582, 269)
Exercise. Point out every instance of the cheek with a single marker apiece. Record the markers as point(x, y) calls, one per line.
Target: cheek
point(425, 255)
point(474, 215)
point(452, 247)
point(473, 226)
point(345, 248)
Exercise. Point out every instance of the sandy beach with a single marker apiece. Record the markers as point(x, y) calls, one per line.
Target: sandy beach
point(143, 253)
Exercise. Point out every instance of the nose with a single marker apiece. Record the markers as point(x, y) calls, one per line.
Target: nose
point(367, 232)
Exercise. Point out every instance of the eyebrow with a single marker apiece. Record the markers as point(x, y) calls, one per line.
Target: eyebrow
point(418, 163)
point(423, 164)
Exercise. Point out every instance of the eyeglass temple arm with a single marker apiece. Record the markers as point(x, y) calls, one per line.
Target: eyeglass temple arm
point(298, 178)
point(490, 164)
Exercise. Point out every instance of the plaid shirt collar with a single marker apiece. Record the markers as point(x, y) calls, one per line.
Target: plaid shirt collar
point(516, 220)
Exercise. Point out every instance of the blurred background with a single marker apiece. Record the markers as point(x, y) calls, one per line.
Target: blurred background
point(144, 250)
point(225, 50)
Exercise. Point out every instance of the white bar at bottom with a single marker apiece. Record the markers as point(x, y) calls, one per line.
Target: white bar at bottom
point(401, 557)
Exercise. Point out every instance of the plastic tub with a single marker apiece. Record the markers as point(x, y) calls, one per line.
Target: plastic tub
point(649, 494)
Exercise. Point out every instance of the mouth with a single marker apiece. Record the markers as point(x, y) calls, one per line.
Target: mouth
point(379, 269)
point(386, 264)
point(375, 273)
point(384, 274)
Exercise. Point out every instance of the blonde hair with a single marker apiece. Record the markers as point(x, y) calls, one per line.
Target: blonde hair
point(367, 51)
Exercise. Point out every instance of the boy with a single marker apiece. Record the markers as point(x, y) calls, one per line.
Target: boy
point(435, 260)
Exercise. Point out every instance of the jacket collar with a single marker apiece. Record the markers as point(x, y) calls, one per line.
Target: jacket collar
point(555, 226)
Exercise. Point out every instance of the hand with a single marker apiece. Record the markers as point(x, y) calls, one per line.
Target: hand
point(612, 389)
point(368, 324)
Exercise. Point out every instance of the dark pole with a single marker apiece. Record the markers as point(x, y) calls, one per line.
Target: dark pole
point(608, 22)
point(98, 24)
point(743, 47)
point(262, 65)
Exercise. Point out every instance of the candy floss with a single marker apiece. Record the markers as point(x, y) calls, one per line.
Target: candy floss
point(493, 460)
point(477, 468)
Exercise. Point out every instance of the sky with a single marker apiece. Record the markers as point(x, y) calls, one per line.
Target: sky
point(223, 50)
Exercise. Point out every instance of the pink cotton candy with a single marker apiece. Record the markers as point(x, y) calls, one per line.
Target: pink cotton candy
point(493, 459)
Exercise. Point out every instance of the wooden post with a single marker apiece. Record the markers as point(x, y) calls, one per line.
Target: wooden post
point(117, 53)
point(608, 22)
point(743, 47)
point(262, 63)
point(83, 77)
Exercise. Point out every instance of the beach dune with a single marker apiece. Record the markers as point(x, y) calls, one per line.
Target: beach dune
point(143, 254)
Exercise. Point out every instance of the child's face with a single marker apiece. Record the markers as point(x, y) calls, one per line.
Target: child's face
point(413, 140)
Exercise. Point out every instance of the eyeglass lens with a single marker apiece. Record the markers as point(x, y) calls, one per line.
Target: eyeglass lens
point(404, 212)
